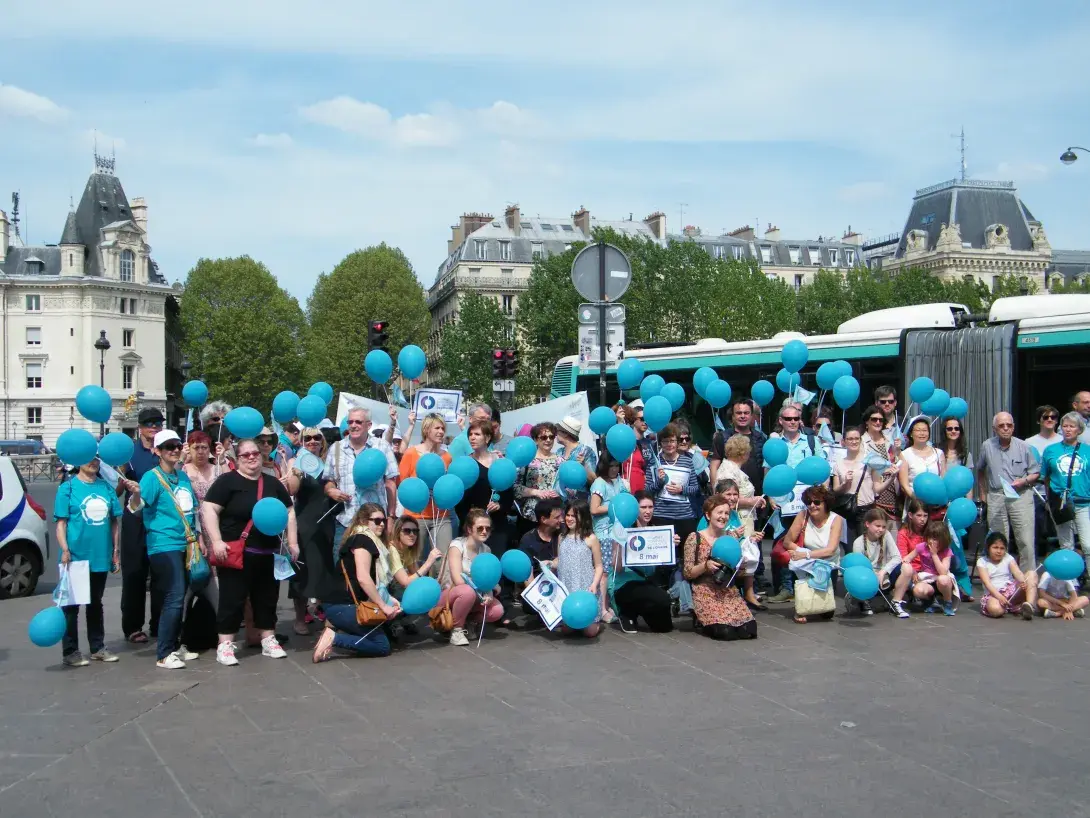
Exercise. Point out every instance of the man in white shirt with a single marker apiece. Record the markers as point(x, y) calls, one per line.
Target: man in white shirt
point(1080, 402)
point(339, 483)
point(1048, 418)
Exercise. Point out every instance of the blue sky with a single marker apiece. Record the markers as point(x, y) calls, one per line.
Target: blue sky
point(297, 133)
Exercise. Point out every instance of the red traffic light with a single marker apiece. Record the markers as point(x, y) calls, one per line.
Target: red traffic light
point(497, 354)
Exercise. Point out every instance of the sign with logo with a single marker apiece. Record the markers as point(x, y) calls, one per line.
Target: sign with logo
point(794, 505)
point(648, 546)
point(445, 402)
point(546, 595)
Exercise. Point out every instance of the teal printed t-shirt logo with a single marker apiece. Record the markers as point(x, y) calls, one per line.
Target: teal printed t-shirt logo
point(95, 510)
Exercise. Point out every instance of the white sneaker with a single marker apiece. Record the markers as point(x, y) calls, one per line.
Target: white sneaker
point(225, 654)
point(271, 648)
point(458, 638)
point(186, 655)
point(171, 662)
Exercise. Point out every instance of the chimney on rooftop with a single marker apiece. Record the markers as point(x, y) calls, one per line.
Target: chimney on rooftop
point(772, 233)
point(656, 223)
point(139, 210)
point(581, 217)
point(467, 225)
point(851, 237)
point(746, 233)
point(513, 216)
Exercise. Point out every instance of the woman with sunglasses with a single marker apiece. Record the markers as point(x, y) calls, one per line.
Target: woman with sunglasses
point(954, 449)
point(1048, 422)
point(920, 457)
point(877, 446)
point(537, 480)
point(435, 523)
point(673, 482)
point(267, 442)
point(311, 504)
point(815, 534)
point(464, 600)
point(227, 513)
point(361, 573)
point(685, 443)
point(579, 564)
point(403, 549)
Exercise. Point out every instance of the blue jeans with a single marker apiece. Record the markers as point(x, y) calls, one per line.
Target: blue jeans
point(338, 535)
point(168, 570)
point(350, 634)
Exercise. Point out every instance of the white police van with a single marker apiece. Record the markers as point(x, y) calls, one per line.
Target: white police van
point(24, 535)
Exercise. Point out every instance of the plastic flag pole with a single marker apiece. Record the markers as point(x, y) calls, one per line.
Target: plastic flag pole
point(484, 618)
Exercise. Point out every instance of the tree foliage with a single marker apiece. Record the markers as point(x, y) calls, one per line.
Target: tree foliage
point(465, 348)
point(367, 285)
point(243, 334)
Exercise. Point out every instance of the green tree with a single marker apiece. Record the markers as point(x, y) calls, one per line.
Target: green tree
point(1072, 287)
point(465, 348)
point(368, 285)
point(242, 332)
point(546, 320)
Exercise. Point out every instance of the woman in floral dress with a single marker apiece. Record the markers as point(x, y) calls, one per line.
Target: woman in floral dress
point(537, 480)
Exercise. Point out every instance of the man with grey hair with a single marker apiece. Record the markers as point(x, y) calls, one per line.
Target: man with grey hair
point(339, 484)
point(1006, 471)
point(214, 412)
point(1080, 402)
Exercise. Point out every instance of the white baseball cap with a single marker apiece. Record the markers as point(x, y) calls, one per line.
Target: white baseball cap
point(163, 436)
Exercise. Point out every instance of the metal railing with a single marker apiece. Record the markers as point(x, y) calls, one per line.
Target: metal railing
point(37, 468)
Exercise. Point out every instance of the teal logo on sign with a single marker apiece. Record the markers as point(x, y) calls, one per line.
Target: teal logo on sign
point(428, 402)
point(637, 543)
point(546, 588)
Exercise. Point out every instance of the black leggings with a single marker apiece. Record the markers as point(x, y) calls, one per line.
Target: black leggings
point(254, 582)
point(643, 598)
point(730, 633)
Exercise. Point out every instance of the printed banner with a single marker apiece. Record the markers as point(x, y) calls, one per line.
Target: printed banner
point(546, 595)
point(648, 546)
point(794, 505)
point(445, 402)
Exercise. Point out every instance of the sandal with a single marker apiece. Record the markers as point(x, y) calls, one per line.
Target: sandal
point(608, 617)
point(138, 638)
point(799, 620)
point(324, 649)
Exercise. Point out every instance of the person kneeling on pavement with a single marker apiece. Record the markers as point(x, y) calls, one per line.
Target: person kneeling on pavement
point(635, 593)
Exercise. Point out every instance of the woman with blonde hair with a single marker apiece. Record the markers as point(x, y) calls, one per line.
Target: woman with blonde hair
point(406, 566)
point(435, 522)
point(735, 455)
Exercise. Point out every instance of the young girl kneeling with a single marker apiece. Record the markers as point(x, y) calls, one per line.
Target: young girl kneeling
point(1059, 599)
point(933, 573)
point(1008, 590)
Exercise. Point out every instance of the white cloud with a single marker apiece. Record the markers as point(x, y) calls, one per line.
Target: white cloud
point(16, 102)
point(273, 140)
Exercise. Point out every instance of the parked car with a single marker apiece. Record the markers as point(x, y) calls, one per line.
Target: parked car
point(24, 535)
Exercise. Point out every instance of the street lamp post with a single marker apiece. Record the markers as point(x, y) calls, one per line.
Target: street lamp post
point(1069, 156)
point(185, 367)
point(102, 344)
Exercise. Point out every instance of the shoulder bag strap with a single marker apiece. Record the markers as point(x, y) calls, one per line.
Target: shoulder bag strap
point(348, 582)
point(1071, 467)
point(166, 486)
point(260, 490)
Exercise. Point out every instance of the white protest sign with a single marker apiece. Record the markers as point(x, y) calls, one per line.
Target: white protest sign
point(573, 406)
point(546, 595)
point(648, 546)
point(445, 402)
point(676, 476)
point(794, 505)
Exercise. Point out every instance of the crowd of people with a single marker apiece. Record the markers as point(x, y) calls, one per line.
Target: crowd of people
point(354, 552)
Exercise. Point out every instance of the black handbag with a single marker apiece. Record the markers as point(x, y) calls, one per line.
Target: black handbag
point(1061, 510)
point(846, 506)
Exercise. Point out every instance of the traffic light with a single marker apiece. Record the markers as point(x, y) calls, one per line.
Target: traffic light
point(498, 365)
point(512, 368)
point(378, 334)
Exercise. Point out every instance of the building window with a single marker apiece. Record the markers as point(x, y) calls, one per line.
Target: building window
point(766, 254)
point(798, 282)
point(537, 249)
point(794, 253)
point(736, 249)
point(547, 227)
point(474, 271)
point(478, 248)
point(33, 376)
point(815, 256)
point(505, 251)
point(34, 303)
point(508, 304)
point(128, 265)
point(507, 271)
point(128, 306)
point(720, 251)
point(34, 416)
point(834, 255)
point(128, 372)
point(849, 257)
point(33, 336)
point(127, 337)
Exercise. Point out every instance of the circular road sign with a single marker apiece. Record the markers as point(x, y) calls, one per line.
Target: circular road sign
point(585, 272)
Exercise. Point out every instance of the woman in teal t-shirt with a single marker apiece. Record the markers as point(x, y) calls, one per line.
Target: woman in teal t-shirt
point(88, 516)
point(1066, 468)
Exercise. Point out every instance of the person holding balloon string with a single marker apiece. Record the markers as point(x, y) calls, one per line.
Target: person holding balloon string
point(920, 457)
point(633, 589)
point(579, 561)
point(814, 534)
point(403, 549)
point(1065, 469)
point(672, 479)
point(537, 479)
point(876, 448)
point(569, 448)
point(461, 593)
point(606, 487)
point(1006, 588)
point(879, 547)
point(749, 541)
point(428, 461)
point(314, 532)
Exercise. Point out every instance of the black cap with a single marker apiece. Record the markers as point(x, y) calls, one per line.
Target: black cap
point(149, 415)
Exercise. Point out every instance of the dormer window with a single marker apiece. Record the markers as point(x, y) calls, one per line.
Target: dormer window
point(128, 265)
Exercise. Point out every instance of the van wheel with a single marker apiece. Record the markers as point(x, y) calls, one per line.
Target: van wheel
point(20, 568)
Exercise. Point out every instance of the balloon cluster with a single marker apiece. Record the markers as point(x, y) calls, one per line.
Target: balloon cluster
point(379, 366)
point(936, 402)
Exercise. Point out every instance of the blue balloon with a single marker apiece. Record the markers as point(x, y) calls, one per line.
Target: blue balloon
point(378, 366)
point(411, 360)
point(651, 386)
point(961, 513)
point(936, 404)
point(369, 468)
point(195, 393)
point(621, 442)
point(343, 425)
point(846, 391)
point(958, 408)
point(702, 377)
point(47, 627)
point(601, 419)
point(447, 491)
point(657, 412)
point(625, 509)
point(485, 571)
point(959, 481)
point(430, 467)
point(579, 610)
point(95, 404)
point(414, 494)
point(860, 582)
point(727, 550)
point(930, 489)
point(515, 565)
point(794, 355)
point(827, 374)
point(284, 407)
point(322, 390)
point(502, 474)
point(1063, 564)
point(76, 447)
point(311, 410)
point(675, 394)
point(521, 450)
point(421, 596)
point(775, 452)
point(921, 389)
point(466, 469)
point(855, 559)
point(780, 480)
point(787, 381)
point(572, 475)
point(629, 373)
point(843, 368)
point(270, 516)
point(245, 422)
point(762, 393)
point(116, 449)
point(702, 524)
point(717, 394)
point(813, 470)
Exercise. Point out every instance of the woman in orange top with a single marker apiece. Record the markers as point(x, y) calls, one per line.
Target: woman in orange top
point(435, 524)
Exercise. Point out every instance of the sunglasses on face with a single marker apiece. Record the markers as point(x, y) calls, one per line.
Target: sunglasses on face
point(1050, 417)
point(684, 439)
point(378, 520)
point(215, 419)
point(267, 441)
point(793, 419)
point(357, 422)
point(412, 532)
point(814, 503)
point(482, 529)
point(950, 429)
point(885, 401)
point(312, 438)
point(248, 455)
point(171, 447)
point(876, 420)
point(546, 436)
point(155, 424)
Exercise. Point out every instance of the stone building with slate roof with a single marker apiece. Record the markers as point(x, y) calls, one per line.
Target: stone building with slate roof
point(58, 298)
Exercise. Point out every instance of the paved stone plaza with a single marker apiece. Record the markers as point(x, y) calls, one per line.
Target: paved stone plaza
point(954, 716)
